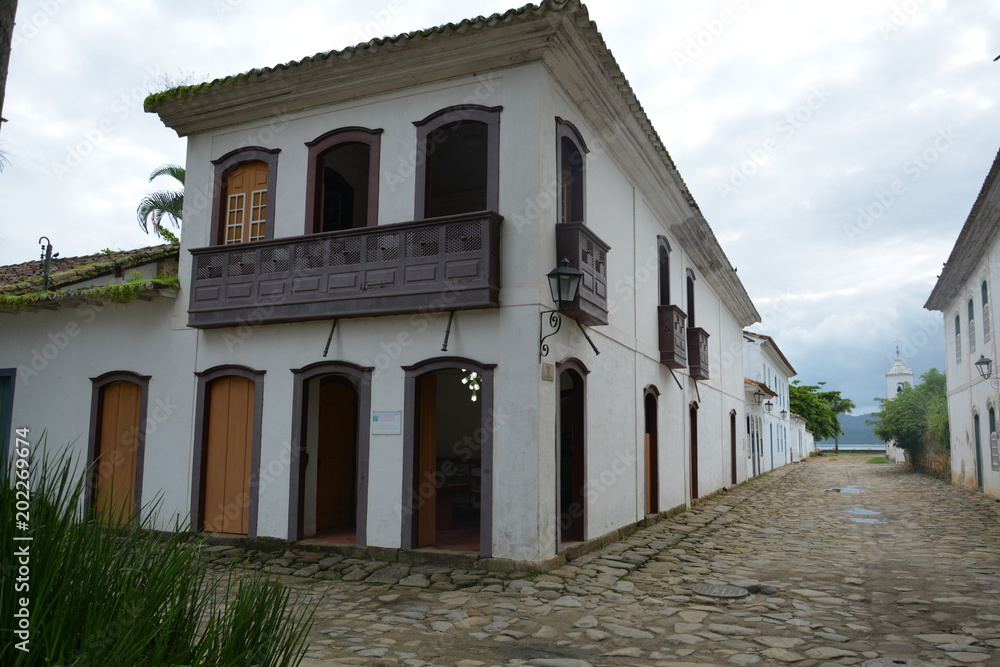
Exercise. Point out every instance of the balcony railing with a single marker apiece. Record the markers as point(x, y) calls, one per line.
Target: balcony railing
point(698, 353)
point(587, 252)
point(434, 265)
point(673, 337)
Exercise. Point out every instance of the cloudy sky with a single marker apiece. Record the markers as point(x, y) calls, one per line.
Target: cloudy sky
point(836, 148)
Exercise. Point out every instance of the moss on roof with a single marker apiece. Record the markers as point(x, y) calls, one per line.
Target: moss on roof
point(182, 93)
point(27, 277)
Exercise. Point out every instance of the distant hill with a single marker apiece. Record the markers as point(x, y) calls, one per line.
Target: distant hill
point(856, 431)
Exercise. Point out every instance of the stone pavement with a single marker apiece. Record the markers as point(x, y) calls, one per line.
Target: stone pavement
point(847, 563)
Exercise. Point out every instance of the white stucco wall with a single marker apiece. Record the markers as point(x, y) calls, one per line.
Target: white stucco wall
point(968, 393)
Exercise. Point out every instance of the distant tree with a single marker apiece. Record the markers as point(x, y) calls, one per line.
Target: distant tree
point(164, 203)
point(816, 407)
point(840, 406)
point(916, 417)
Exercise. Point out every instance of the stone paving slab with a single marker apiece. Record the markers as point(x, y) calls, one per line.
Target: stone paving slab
point(905, 569)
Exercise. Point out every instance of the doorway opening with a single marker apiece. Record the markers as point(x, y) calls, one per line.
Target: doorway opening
point(448, 493)
point(330, 433)
point(652, 454)
point(571, 459)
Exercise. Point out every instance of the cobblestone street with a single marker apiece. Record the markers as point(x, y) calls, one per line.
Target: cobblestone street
point(847, 563)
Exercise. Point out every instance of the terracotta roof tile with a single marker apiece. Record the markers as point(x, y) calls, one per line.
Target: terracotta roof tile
point(28, 276)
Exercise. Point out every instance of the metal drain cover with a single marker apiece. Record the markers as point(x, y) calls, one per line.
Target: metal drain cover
point(716, 591)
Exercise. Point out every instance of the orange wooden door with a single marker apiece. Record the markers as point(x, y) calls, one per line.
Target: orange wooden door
point(228, 455)
point(426, 462)
point(117, 451)
point(335, 491)
point(246, 203)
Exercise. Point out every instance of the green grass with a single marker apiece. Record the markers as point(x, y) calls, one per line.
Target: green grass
point(878, 459)
point(100, 594)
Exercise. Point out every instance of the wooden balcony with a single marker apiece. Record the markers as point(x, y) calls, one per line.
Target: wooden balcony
point(673, 337)
point(587, 252)
point(698, 353)
point(436, 265)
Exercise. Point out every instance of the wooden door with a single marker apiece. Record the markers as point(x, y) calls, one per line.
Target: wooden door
point(117, 451)
point(246, 203)
point(336, 462)
point(227, 455)
point(425, 463)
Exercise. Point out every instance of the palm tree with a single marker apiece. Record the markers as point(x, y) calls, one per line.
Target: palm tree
point(169, 203)
point(840, 406)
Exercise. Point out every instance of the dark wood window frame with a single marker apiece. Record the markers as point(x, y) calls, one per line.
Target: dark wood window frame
point(296, 506)
point(426, 131)
point(96, 408)
point(200, 433)
point(412, 373)
point(7, 421)
point(326, 142)
point(566, 130)
point(223, 167)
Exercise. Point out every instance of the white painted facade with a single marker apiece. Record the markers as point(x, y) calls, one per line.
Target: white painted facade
point(766, 369)
point(633, 195)
point(964, 294)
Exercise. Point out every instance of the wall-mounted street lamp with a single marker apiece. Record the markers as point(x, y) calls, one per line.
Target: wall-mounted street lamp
point(758, 396)
point(564, 286)
point(985, 368)
point(784, 413)
point(769, 406)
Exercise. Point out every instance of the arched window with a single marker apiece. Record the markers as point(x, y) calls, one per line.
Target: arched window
point(244, 196)
point(690, 299)
point(342, 180)
point(459, 148)
point(663, 260)
point(986, 314)
point(572, 153)
point(958, 339)
point(994, 450)
point(972, 326)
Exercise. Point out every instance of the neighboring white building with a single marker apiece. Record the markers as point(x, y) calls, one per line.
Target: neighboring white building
point(356, 354)
point(964, 294)
point(896, 378)
point(767, 374)
point(801, 440)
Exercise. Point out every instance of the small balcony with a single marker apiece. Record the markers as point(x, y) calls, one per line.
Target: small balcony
point(437, 265)
point(673, 337)
point(698, 353)
point(587, 252)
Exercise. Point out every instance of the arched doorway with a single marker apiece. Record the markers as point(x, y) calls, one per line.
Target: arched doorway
point(118, 416)
point(732, 447)
point(227, 450)
point(571, 502)
point(447, 464)
point(693, 419)
point(652, 452)
point(330, 453)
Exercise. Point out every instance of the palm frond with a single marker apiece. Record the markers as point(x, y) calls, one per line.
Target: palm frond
point(169, 203)
point(157, 205)
point(174, 170)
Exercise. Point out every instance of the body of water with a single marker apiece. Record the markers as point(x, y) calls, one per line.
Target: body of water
point(828, 446)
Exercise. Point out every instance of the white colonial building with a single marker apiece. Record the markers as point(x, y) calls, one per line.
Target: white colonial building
point(964, 294)
point(363, 349)
point(767, 373)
